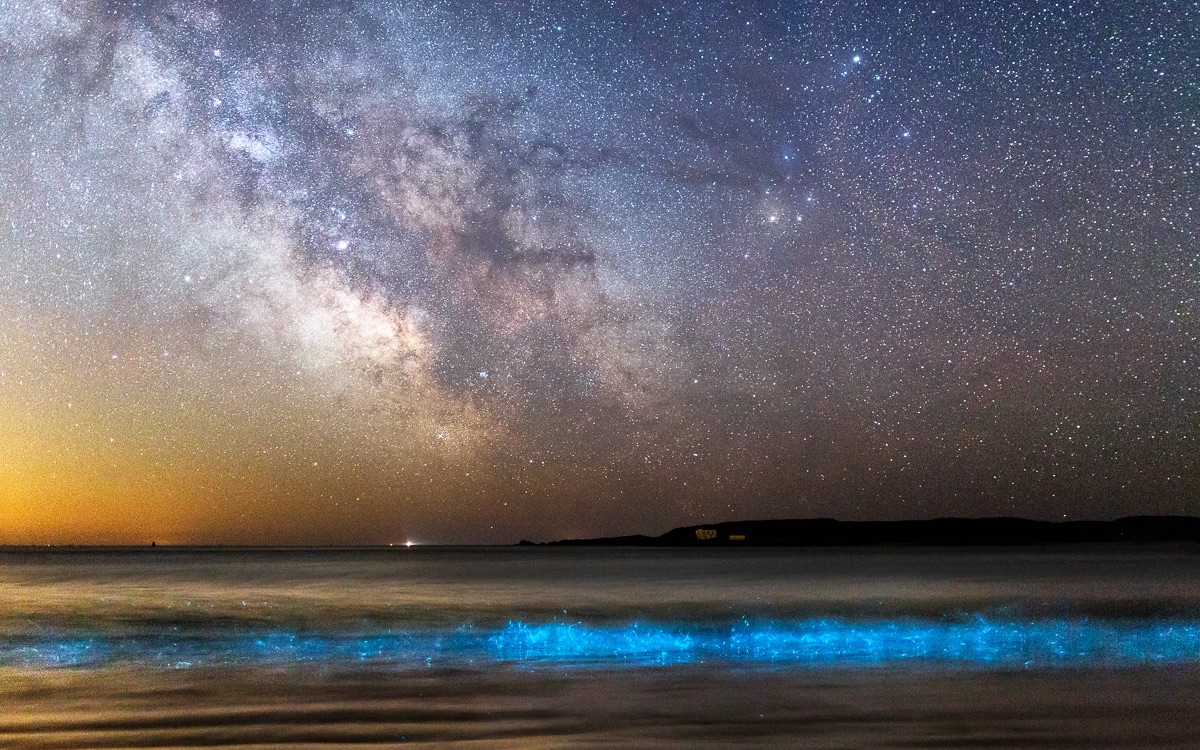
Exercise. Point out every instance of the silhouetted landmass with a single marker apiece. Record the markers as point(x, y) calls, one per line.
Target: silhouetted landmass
point(826, 532)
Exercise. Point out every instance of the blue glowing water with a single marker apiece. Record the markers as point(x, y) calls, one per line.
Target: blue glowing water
point(519, 648)
point(823, 643)
point(776, 609)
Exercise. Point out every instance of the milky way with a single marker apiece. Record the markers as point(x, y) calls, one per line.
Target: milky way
point(368, 271)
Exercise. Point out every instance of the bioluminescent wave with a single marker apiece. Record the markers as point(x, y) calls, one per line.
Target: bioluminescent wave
point(978, 642)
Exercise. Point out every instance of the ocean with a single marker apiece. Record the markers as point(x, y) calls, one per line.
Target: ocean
point(601, 647)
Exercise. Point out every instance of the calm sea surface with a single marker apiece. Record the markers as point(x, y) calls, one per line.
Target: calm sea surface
point(547, 647)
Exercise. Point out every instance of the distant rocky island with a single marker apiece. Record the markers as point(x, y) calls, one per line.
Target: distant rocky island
point(827, 532)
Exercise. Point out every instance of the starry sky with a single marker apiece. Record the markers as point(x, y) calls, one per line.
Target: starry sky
point(343, 271)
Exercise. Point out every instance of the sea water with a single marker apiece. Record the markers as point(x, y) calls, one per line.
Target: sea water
point(601, 647)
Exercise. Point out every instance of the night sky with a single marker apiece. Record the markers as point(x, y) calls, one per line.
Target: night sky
point(369, 272)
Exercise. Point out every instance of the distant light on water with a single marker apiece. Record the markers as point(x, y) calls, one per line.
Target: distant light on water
point(978, 642)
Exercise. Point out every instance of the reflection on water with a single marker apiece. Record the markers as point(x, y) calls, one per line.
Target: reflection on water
point(600, 648)
point(670, 707)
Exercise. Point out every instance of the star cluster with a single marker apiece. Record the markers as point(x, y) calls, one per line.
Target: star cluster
point(332, 271)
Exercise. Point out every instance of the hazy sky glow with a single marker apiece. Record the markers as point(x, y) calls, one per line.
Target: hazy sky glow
point(349, 271)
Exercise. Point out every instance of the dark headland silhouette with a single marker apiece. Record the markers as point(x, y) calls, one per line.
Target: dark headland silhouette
point(827, 532)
